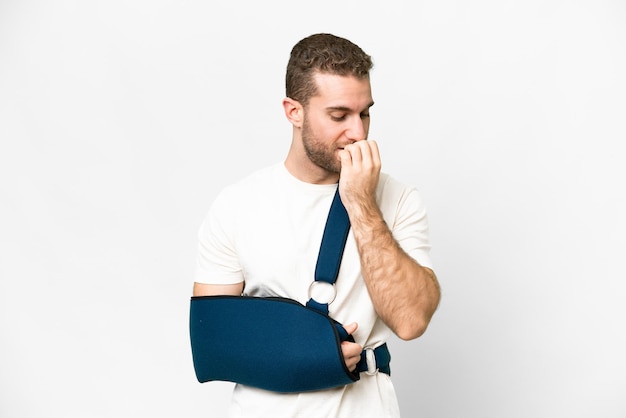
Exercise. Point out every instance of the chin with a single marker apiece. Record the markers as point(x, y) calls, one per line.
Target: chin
point(332, 168)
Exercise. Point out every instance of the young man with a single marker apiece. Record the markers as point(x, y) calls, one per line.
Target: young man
point(261, 236)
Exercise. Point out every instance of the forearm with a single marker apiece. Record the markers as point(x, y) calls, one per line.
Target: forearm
point(405, 294)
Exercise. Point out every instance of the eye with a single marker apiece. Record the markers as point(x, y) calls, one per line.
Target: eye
point(337, 118)
point(365, 115)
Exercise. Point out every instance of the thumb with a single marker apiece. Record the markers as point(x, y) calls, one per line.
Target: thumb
point(350, 328)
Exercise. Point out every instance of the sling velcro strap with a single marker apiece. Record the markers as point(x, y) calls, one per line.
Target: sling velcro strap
point(375, 360)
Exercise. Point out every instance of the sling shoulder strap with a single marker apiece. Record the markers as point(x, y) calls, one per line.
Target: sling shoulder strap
point(330, 253)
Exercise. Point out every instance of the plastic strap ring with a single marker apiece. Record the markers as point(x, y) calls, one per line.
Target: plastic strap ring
point(322, 292)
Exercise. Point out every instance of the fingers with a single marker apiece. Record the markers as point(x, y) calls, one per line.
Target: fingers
point(374, 153)
point(351, 351)
point(360, 171)
point(351, 354)
point(361, 154)
point(356, 154)
point(345, 158)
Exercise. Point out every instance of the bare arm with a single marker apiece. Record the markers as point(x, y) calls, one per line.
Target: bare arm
point(201, 289)
point(405, 294)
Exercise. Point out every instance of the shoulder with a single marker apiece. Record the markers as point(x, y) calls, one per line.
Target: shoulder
point(397, 198)
point(252, 184)
point(390, 188)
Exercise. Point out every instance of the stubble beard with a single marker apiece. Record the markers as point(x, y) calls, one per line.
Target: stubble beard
point(318, 153)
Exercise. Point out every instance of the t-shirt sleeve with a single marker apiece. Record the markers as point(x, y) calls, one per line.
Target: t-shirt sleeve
point(217, 261)
point(410, 227)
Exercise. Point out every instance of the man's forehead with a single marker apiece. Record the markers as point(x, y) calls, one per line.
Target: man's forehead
point(343, 92)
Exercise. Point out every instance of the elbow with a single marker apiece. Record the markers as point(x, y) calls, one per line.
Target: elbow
point(410, 330)
point(414, 324)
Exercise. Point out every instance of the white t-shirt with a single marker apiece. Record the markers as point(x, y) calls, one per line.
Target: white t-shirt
point(266, 230)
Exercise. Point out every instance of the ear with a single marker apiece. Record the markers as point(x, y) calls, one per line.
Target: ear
point(293, 111)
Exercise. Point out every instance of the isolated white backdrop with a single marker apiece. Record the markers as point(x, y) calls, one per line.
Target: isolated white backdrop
point(120, 120)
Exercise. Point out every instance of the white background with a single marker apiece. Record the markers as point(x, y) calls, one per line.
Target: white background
point(120, 120)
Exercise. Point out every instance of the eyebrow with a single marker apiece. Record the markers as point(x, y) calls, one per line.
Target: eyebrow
point(346, 108)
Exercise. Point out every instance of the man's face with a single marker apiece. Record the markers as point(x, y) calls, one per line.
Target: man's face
point(337, 116)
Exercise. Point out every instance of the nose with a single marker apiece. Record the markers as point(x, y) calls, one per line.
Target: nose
point(357, 131)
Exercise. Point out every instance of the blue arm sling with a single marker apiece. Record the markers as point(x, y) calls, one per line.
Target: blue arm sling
point(276, 343)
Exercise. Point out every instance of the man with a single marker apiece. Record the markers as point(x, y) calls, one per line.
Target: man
point(262, 234)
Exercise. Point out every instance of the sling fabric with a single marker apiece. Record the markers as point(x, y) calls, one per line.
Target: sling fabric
point(275, 344)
